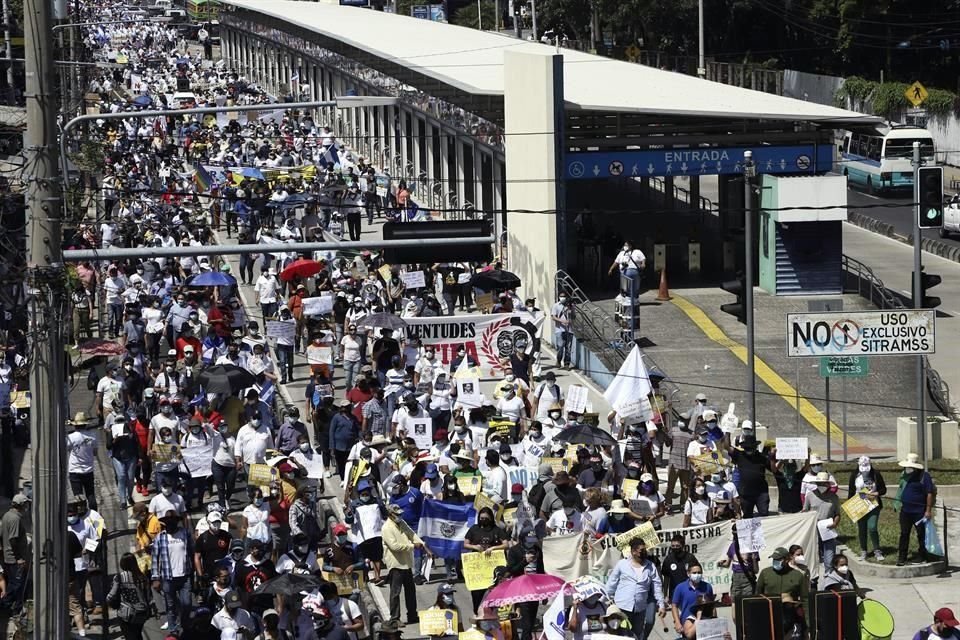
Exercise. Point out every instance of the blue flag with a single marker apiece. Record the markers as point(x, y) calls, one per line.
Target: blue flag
point(444, 526)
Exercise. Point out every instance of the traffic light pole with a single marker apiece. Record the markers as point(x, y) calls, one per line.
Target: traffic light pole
point(918, 302)
point(748, 173)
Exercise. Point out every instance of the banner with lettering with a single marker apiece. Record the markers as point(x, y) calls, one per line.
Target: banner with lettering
point(488, 338)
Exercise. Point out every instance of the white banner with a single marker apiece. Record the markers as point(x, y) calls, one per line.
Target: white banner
point(571, 557)
point(317, 306)
point(487, 338)
point(413, 279)
point(286, 329)
point(792, 448)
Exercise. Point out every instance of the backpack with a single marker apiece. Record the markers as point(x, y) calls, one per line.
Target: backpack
point(92, 380)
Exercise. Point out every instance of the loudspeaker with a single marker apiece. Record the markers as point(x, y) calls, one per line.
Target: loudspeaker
point(834, 616)
point(759, 618)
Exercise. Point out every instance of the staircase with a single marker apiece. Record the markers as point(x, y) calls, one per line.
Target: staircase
point(808, 259)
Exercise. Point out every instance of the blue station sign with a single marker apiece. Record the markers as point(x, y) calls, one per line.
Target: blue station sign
point(587, 165)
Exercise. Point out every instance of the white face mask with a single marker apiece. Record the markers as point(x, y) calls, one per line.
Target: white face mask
point(799, 560)
point(842, 570)
point(509, 377)
point(305, 447)
point(700, 490)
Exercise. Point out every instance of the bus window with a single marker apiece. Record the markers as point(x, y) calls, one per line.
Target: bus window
point(903, 147)
point(873, 148)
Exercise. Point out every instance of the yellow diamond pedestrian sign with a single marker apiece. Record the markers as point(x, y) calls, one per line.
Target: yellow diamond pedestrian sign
point(633, 52)
point(916, 94)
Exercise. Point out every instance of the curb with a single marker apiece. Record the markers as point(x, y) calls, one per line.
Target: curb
point(906, 572)
point(933, 246)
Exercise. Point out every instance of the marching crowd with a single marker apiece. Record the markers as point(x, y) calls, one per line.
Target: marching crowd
point(259, 518)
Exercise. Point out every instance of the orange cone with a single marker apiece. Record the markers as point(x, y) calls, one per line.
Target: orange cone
point(663, 294)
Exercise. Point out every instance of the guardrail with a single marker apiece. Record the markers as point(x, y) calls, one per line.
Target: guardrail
point(870, 287)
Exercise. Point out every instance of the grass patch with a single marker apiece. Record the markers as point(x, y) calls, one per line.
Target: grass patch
point(944, 472)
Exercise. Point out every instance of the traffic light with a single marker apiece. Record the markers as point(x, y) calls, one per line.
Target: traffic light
point(738, 288)
point(927, 281)
point(930, 194)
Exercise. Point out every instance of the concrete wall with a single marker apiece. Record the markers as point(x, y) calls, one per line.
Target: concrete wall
point(810, 87)
point(533, 104)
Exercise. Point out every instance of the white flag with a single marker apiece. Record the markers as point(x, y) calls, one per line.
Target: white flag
point(632, 382)
point(555, 619)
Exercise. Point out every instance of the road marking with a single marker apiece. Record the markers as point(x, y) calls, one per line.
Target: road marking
point(771, 378)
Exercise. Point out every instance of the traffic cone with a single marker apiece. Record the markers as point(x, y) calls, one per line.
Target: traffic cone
point(663, 294)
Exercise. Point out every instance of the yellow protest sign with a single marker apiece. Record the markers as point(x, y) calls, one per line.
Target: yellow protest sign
point(483, 500)
point(469, 485)
point(261, 475)
point(629, 488)
point(474, 634)
point(384, 272)
point(645, 531)
point(709, 462)
point(557, 464)
point(509, 517)
point(478, 568)
point(165, 452)
point(359, 466)
point(438, 622)
point(348, 583)
point(857, 507)
point(144, 560)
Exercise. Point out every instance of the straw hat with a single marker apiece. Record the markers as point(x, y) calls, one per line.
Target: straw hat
point(815, 459)
point(912, 462)
point(618, 506)
point(80, 418)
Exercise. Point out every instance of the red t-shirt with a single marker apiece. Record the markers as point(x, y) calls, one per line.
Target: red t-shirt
point(358, 398)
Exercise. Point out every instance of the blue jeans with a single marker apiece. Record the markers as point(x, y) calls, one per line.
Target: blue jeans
point(269, 310)
point(115, 318)
point(125, 472)
point(176, 598)
point(285, 362)
point(226, 480)
point(350, 371)
point(564, 345)
point(634, 275)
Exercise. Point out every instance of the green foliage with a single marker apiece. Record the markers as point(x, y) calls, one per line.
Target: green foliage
point(889, 100)
point(940, 102)
point(467, 16)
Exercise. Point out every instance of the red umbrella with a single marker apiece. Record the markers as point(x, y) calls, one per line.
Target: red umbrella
point(301, 268)
point(529, 587)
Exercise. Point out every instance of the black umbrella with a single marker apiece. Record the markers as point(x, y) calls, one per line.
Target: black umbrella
point(586, 434)
point(288, 584)
point(383, 321)
point(495, 279)
point(225, 378)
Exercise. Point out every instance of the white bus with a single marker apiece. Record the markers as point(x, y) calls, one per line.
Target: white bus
point(881, 163)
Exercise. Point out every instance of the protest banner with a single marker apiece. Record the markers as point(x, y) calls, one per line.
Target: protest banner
point(165, 452)
point(317, 306)
point(750, 534)
point(384, 272)
point(585, 587)
point(569, 558)
point(502, 427)
point(858, 506)
point(792, 448)
point(478, 568)
point(144, 560)
point(629, 489)
point(469, 485)
point(644, 531)
point(348, 583)
point(413, 279)
point(488, 338)
point(261, 475)
point(709, 462)
point(422, 432)
point(286, 329)
point(509, 517)
point(576, 400)
point(438, 622)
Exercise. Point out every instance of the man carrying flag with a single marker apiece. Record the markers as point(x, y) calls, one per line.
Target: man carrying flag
point(399, 541)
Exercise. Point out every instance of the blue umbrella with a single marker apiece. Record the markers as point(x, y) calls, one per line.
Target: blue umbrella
point(252, 172)
point(212, 279)
point(143, 101)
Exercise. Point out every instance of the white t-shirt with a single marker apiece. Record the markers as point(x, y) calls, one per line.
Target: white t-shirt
point(160, 504)
point(495, 485)
point(630, 259)
point(223, 620)
point(286, 563)
point(510, 408)
point(82, 448)
point(110, 389)
point(252, 443)
point(351, 349)
point(697, 510)
point(177, 552)
point(560, 524)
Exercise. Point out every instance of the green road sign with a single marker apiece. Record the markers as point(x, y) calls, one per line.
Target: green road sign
point(846, 366)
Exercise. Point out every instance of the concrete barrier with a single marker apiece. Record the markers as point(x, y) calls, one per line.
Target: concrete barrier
point(942, 438)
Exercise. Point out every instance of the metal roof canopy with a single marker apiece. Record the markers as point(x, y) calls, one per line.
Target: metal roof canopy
point(465, 66)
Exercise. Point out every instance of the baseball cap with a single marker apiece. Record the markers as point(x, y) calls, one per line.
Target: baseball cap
point(446, 588)
point(231, 600)
point(236, 545)
point(780, 553)
point(516, 488)
point(20, 499)
point(945, 616)
point(431, 472)
point(364, 485)
point(339, 529)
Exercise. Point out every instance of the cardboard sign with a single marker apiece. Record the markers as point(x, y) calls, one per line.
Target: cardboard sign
point(576, 400)
point(413, 279)
point(197, 459)
point(750, 535)
point(644, 531)
point(384, 272)
point(144, 560)
point(792, 448)
point(557, 464)
point(478, 568)
point(438, 622)
point(285, 329)
point(422, 433)
point(509, 517)
point(348, 583)
point(469, 485)
point(857, 507)
point(165, 452)
point(261, 475)
point(483, 500)
point(629, 488)
point(712, 628)
point(468, 392)
point(317, 306)
point(709, 462)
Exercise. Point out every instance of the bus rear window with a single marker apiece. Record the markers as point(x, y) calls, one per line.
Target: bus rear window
point(903, 147)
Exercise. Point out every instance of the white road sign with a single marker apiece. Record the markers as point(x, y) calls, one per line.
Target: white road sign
point(861, 333)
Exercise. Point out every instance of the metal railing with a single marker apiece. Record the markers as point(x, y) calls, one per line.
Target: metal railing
point(860, 277)
point(683, 195)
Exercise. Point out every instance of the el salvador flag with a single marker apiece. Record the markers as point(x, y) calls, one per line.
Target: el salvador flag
point(444, 526)
point(330, 158)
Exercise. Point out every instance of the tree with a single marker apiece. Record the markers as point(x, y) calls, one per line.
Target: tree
point(467, 16)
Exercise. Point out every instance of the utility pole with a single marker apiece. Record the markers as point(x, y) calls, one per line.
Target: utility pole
point(49, 313)
point(7, 46)
point(918, 302)
point(533, 12)
point(748, 173)
point(701, 65)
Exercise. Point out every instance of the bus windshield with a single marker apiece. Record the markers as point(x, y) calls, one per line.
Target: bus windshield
point(903, 147)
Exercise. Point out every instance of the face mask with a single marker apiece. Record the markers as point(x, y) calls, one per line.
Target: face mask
point(342, 539)
point(712, 424)
point(485, 522)
point(865, 468)
point(429, 355)
point(613, 624)
point(842, 570)
point(677, 551)
point(224, 430)
point(366, 497)
point(196, 430)
point(695, 577)
point(258, 501)
point(395, 490)
point(223, 582)
point(648, 487)
point(568, 511)
point(799, 559)
point(700, 490)
point(715, 478)
point(461, 353)
point(255, 422)
point(446, 599)
point(702, 438)
point(166, 410)
point(536, 435)
point(73, 519)
point(563, 300)
point(816, 468)
point(489, 625)
point(169, 369)
point(510, 377)
point(167, 439)
point(451, 487)
point(128, 367)
point(778, 565)
point(167, 491)
point(555, 415)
